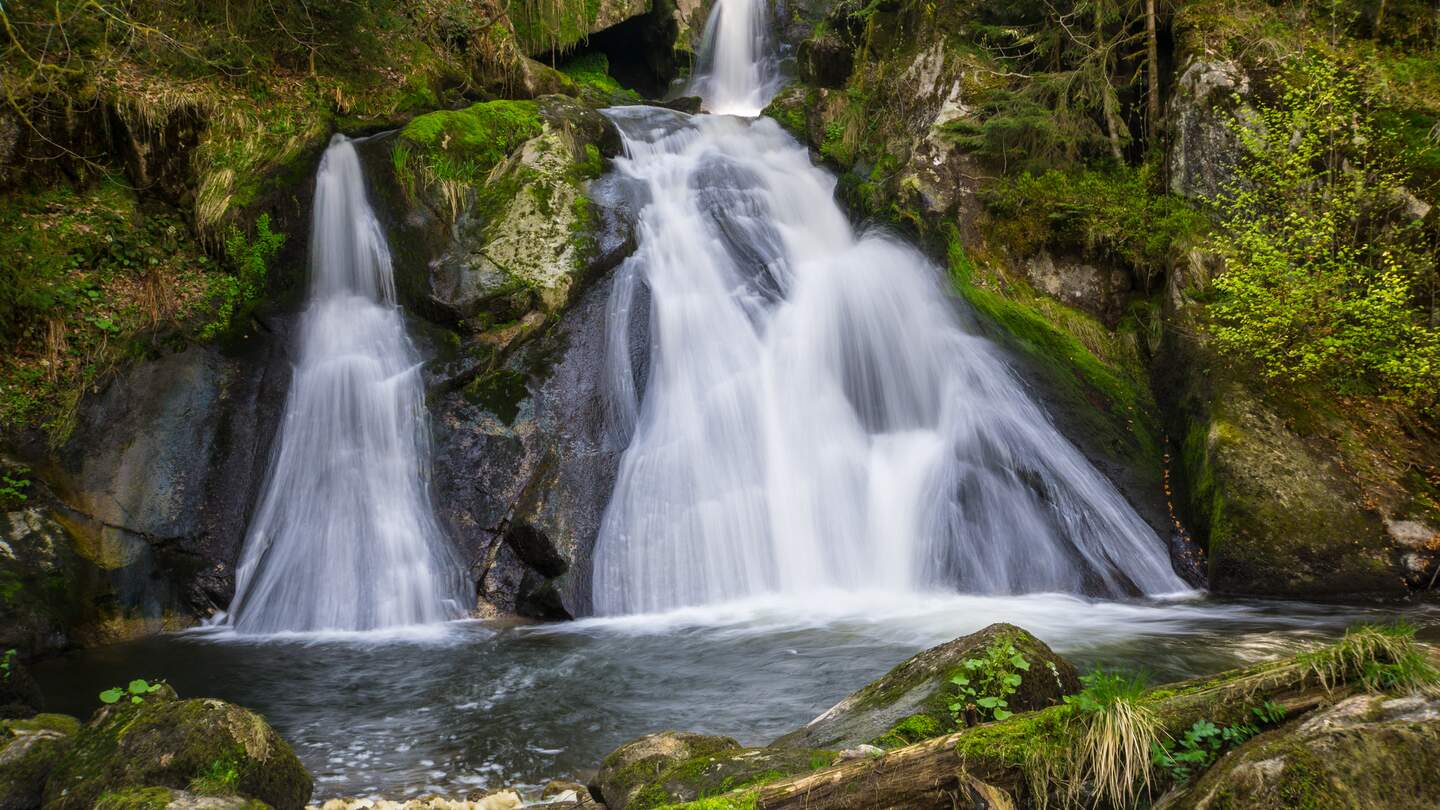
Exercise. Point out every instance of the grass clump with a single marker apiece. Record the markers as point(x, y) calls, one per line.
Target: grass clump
point(1113, 733)
point(1380, 658)
point(452, 151)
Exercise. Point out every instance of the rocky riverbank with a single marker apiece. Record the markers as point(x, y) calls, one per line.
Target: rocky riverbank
point(991, 720)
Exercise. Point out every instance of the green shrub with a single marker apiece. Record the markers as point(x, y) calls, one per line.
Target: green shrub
point(1327, 277)
point(251, 260)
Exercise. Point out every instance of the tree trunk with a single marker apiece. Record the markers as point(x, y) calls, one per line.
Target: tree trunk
point(1152, 73)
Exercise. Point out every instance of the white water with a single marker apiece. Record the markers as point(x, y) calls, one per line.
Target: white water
point(738, 71)
point(816, 416)
point(345, 537)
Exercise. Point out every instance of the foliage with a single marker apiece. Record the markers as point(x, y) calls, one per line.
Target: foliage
point(251, 260)
point(1378, 657)
point(1204, 742)
point(591, 72)
point(218, 779)
point(1103, 213)
point(1113, 732)
point(7, 663)
point(983, 684)
point(136, 690)
point(1327, 275)
point(13, 483)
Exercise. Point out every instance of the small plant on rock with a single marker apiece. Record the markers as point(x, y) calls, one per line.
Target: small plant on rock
point(7, 664)
point(1113, 735)
point(985, 684)
point(1204, 742)
point(137, 690)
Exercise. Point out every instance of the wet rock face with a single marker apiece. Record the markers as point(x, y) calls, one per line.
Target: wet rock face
point(522, 476)
point(148, 499)
point(1367, 751)
point(911, 701)
point(204, 746)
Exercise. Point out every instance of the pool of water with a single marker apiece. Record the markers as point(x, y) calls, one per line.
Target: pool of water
point(466, 705)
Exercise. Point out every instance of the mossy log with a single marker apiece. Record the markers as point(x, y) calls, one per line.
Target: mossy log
point(1000, 765)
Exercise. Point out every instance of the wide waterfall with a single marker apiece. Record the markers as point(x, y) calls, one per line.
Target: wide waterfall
point(345, 537)
point(815, 413)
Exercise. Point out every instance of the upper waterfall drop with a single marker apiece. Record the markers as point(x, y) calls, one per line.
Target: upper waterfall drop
point(737, 72)
point(815, 413)
point(345, 537)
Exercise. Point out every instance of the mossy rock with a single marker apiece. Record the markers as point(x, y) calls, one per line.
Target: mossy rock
point(911, 702)
point(715, 774)
point(204, 746)
point(28, 755)
point(1370, 751)
point(158, 798)
point(629, 769)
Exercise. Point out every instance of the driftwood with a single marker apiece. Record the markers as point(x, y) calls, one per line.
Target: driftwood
point(935, 774)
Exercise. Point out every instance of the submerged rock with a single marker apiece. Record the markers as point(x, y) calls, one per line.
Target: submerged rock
point(1370, 751)
point(203, 746)
point(911, 701)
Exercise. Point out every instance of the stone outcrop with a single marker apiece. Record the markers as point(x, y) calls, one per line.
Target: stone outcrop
point(631, 768)
point(1368, 751)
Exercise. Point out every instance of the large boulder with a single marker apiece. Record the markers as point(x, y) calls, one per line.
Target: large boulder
point(912, 701)
point(1370, 751)
point(203, 746)
point(29, 751)
point(628, 770)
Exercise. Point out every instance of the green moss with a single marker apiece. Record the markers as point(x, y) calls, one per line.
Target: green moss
point(61, 723)
point(748, 800)
point(152, 798)
point(591, 72)
point(464, 145)
point(910, 730)
point(1111, 396)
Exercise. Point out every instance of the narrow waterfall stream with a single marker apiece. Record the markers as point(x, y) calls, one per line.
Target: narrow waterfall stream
point(815, 415)
point(345, 537)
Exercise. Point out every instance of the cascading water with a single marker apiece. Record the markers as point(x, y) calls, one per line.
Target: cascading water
point(345, 537)
point(815, 414)
point(737, 72)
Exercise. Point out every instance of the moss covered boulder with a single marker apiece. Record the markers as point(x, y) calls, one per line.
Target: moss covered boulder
point(207, 747)
point(721, 772)
point(29, 750)
point(159, 798)
point(912, 701)
point(486, 207)
point(629, 769)
point(1370, 751)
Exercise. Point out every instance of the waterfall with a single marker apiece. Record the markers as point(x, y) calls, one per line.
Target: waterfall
point(345, 537)
point(737, 71)
point(816, 414)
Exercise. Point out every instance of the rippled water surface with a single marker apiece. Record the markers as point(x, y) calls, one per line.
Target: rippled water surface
point(464, 705)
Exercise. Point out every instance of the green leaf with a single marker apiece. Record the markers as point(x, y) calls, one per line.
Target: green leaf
point(111, 695)
point(139, 686)
point(1020, 663)
point(1003, 714)
point(988, 702)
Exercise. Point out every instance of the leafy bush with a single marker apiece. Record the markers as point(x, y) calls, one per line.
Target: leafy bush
point(1204, 742)
point(1327, 274)
point(251, 259)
